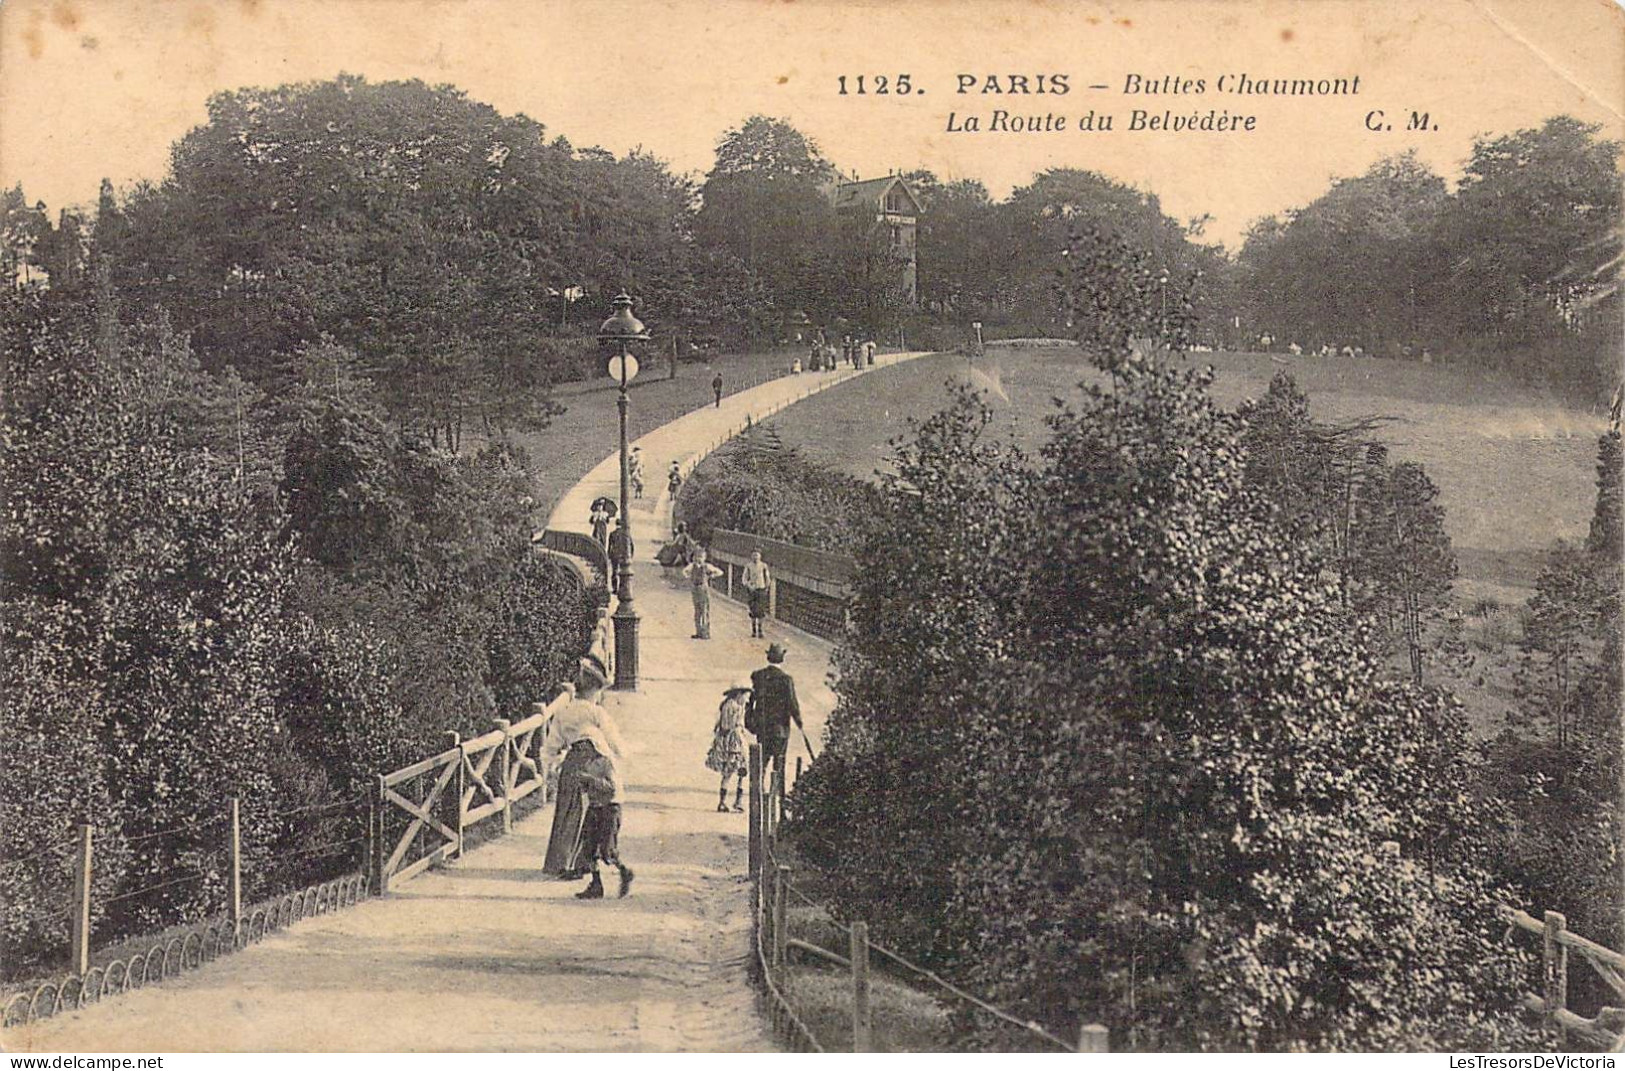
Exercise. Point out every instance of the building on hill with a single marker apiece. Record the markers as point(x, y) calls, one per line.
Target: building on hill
point(895, 207)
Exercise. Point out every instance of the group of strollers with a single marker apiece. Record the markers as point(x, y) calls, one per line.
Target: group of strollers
point(823, 356)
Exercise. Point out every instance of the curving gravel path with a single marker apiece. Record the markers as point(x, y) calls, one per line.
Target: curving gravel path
point(486, 954)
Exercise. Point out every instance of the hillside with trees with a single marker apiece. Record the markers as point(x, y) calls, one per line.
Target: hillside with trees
point(1516, 268)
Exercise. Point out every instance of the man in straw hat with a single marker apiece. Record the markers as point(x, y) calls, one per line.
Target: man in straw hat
point(568, 736)
point(773, 706)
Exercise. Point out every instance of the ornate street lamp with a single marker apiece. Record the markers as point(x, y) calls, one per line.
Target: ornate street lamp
point(620, 331)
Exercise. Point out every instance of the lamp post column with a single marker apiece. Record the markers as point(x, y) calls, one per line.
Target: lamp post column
point(621, 330)
point(626, 614)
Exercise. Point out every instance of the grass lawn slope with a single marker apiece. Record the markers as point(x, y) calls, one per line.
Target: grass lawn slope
point(1515, 468)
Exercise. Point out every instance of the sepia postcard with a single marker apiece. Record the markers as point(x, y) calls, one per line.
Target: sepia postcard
point(757, 526)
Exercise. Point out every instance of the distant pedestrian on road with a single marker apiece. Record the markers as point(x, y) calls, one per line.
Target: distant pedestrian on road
point(757, 581)
point(601, 779)
point(700, 573)
point(634, 471)
point(567, 736)
point(716, 388)
point(674, 479)
point(727, 754)
point(773, 706)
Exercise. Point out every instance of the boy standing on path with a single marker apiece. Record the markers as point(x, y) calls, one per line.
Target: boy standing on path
point(601, 832)
point(756, 580)
point(634, 471)
point(700, 573)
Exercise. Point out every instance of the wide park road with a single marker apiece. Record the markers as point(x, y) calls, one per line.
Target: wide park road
point(487, 954)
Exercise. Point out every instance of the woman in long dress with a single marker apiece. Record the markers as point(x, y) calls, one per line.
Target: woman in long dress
point(674, 556)
point(568, 735)
point(600, 525)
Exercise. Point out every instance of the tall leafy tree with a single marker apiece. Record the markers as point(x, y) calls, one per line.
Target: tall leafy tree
point(1402, 561)
point(765, 202)
point(1352, 267)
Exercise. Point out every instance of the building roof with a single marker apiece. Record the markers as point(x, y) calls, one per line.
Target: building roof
point(872, 192)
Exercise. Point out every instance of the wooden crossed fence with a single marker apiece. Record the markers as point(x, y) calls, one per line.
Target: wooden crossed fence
point(423, 810)
point(444, 795)
point(1607, 1028)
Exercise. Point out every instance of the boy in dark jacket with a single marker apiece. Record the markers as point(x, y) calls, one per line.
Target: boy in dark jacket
point(600, 778)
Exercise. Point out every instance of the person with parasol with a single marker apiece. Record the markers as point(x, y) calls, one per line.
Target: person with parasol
point(603, 511)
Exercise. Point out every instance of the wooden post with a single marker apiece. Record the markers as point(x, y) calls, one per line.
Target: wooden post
point(81, 905)
point(775, 808)
point(236, 875)
point(455, 786)
point(781, 898)
point(1555, 967)
point(728, 572)
point(369, 843)
point(504, 768)
point(538, 740)
point(773, 597)
point(380, 880)
point(1092, 1037)
point(754, 818)
point(862, 1026)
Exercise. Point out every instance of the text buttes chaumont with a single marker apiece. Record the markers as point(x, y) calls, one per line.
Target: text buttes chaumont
point(1236, 84)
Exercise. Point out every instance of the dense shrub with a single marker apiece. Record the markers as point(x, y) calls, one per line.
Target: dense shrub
point(756, 484)
point(179, 629)
point(1113, 748)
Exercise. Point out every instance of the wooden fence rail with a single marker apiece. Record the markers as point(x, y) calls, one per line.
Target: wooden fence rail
point(444, 795)
point(435, 799)
point(1607, 1028)
point(439, 798)
point(771, 887)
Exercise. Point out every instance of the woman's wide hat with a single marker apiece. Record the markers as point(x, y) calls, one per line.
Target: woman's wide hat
point(592, 671)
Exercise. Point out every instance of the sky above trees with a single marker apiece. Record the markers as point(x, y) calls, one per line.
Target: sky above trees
point(103, 88)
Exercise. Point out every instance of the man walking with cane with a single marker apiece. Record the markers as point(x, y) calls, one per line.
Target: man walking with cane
point(773, 706)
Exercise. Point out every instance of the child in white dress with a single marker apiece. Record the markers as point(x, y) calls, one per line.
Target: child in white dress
point(727, 754)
